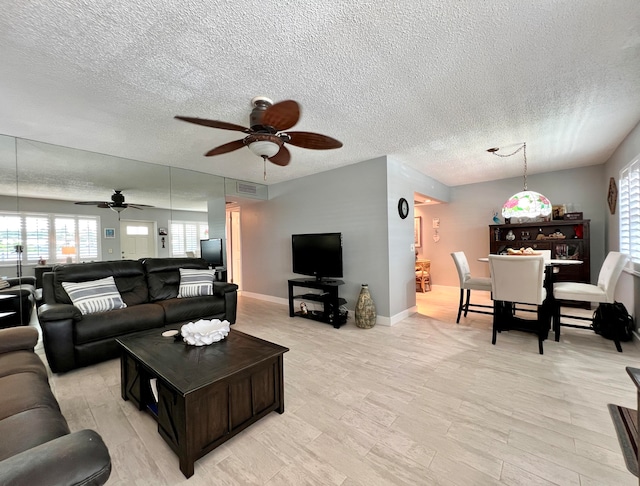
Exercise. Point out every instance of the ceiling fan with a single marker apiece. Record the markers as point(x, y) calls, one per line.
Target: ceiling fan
point(116, 204)
point(266, 136)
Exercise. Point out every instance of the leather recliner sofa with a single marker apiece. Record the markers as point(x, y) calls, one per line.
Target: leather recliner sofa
point(37, 446)
point(149, 288)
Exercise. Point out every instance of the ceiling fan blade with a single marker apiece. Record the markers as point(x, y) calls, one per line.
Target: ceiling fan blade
point(91, 203)
point(227, 147)
point(139, 206)
point(313, 141)
point(282, 116)
point(104, 205)
point(213, 123)
point(282, 158)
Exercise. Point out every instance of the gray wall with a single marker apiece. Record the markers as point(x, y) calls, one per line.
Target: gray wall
point(403, 181)
point(465, 220)
point(628, 290)
point(349, 200)
point(361, 202)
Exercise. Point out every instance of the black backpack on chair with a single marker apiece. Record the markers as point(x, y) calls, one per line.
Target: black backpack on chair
point(612, 321)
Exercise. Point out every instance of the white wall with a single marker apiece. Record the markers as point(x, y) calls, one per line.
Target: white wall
point(465, 220)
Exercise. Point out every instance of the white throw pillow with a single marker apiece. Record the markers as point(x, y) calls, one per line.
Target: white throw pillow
point(195, 282)
point(95, 295)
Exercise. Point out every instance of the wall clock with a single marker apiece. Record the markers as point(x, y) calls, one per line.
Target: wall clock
point(403, 208)
point(612, 196)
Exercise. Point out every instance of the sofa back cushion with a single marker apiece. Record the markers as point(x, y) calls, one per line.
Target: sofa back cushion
point(128, 275)
point(163, 275)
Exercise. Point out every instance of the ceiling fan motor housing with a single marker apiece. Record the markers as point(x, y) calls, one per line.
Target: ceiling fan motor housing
point(260, 105)
point(118, 198)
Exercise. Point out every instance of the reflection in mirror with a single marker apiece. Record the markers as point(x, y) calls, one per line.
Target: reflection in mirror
point(196, 197)
point(17, 294)
point(52, 179)
point(41, 184)
point(10, 235)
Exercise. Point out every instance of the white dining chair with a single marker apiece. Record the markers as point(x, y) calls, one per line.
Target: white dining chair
point(603, 291)
point(519, 280)
point(467, 284)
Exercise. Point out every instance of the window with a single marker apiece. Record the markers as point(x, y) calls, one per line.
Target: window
point(37, 238)
point(137, 230)
point(49, 237)
point(186, 236)
point(630, 210)
point(10, 237)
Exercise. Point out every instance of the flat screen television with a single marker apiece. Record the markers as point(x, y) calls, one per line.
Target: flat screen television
point(318, 254)
point(211, 251)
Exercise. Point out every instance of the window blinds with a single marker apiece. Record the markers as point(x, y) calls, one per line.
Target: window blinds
point(630, 210)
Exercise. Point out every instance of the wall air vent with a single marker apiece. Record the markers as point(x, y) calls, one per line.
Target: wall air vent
point(246, 188)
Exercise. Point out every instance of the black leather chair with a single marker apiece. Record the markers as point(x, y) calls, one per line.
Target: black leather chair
point(21, 303)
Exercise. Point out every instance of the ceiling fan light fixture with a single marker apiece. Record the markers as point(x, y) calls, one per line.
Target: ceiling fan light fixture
point(264, 148)
point(118, 209)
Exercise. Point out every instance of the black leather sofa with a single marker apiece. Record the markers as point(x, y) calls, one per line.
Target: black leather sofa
point(37, 446)
point(148, 287)
point(22, 291)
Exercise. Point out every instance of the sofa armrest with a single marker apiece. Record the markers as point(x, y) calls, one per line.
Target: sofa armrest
point(57, 312)
point(57, 323)
point(78, 458)
point(221, 288)
point(17, 339)
point(21, 280)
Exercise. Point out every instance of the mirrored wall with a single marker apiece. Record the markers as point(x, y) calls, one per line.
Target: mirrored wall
point(42, 180)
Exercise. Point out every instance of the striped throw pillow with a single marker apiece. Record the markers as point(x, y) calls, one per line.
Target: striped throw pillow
point(95, 295)
point(195, 282)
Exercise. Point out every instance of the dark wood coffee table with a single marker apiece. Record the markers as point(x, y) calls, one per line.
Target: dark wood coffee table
point(206, 394)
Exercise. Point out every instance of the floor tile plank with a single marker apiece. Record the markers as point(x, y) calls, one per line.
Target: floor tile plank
point(424, 402)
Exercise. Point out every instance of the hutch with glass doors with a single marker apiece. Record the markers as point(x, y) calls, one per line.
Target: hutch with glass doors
point(567, 239)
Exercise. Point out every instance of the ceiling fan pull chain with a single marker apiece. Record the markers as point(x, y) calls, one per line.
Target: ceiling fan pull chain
point(264, 161)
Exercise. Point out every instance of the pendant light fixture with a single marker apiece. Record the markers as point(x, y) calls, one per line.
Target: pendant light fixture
point(524, 206)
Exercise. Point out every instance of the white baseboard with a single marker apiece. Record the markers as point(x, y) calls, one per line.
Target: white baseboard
point(267, 298)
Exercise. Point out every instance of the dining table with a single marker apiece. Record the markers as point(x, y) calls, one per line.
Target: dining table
point(550, 270)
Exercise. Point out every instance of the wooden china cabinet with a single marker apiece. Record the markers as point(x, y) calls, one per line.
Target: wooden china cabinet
point(567, 239)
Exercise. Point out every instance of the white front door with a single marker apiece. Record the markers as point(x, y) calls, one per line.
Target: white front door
point(137, 239)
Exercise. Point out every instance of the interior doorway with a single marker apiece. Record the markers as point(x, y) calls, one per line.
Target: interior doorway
point(426, 234)
point(137, 239)
point(234, 247)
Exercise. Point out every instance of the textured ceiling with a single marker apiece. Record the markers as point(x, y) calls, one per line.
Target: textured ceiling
point(430, 85)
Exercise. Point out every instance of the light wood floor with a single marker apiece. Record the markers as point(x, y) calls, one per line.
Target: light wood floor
point(424, 402)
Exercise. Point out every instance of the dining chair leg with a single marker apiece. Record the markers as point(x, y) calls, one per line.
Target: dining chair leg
point(460, 305)
point(540, 350)
point(495, 322)
point(466, 306)
point(556, 321)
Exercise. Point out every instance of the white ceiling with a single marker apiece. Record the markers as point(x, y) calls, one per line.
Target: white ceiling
point(430, 84)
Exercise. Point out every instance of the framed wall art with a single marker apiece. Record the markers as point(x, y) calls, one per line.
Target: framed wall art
point(417, 231)
point(612, 195)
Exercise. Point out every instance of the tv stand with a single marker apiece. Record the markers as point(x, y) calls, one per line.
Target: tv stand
point(328, 297)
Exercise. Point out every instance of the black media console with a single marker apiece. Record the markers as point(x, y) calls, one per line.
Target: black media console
point(328, 296)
